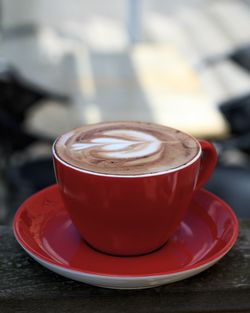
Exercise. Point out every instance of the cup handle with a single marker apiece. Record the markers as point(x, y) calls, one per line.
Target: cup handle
point(208, 162)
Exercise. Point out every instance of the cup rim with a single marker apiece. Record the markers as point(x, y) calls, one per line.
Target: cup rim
point(172, 170)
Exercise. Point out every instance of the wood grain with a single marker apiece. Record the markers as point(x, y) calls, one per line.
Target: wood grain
point(25, 286)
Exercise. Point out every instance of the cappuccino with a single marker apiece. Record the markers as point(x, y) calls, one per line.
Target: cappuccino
point(126, 148)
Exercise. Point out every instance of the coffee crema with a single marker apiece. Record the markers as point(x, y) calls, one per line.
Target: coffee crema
point(126, 148)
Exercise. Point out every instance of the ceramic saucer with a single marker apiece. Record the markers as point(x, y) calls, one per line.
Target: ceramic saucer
point(43, 228)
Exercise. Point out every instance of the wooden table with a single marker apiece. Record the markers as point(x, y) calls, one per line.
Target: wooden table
point(25, 286)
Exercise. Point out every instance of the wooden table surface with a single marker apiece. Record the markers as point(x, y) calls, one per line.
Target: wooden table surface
point(25, 286)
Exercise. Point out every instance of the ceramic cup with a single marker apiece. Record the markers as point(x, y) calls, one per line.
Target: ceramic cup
point(131, 215)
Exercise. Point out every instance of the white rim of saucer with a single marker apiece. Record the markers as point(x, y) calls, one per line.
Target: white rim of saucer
point(112, 277)
point(196, 157)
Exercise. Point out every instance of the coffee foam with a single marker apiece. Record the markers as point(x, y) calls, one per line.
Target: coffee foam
point(126, 148)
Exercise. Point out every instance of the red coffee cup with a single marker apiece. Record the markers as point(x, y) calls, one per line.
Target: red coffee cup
point(131, 215)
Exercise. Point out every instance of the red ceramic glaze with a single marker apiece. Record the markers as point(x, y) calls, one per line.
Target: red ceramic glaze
point(43, 227)
point(124, 215)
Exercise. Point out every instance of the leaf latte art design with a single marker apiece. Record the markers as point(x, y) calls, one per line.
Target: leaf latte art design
point(125, 148)
point(119, 144)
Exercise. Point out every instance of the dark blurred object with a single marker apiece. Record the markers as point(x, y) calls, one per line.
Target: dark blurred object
point(242, 57)
point(36, 174)
point(16, 98)
point(26, 179)
point(237, 113)
point(20, 179)
point(232, 184)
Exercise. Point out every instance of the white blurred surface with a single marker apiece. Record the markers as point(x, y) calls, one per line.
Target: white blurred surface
point(81, 49)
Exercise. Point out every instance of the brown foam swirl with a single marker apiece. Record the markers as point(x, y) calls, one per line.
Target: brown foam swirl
point(126, 148)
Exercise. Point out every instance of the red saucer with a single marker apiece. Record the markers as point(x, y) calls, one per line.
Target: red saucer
point(43, 228)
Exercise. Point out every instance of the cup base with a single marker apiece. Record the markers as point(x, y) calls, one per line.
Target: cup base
point(125, 255)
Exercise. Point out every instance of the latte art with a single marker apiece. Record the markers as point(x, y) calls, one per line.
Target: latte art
point(126, 148)
point(120, 144)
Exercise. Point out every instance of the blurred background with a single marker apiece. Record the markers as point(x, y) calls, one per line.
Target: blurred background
point(183, 63)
